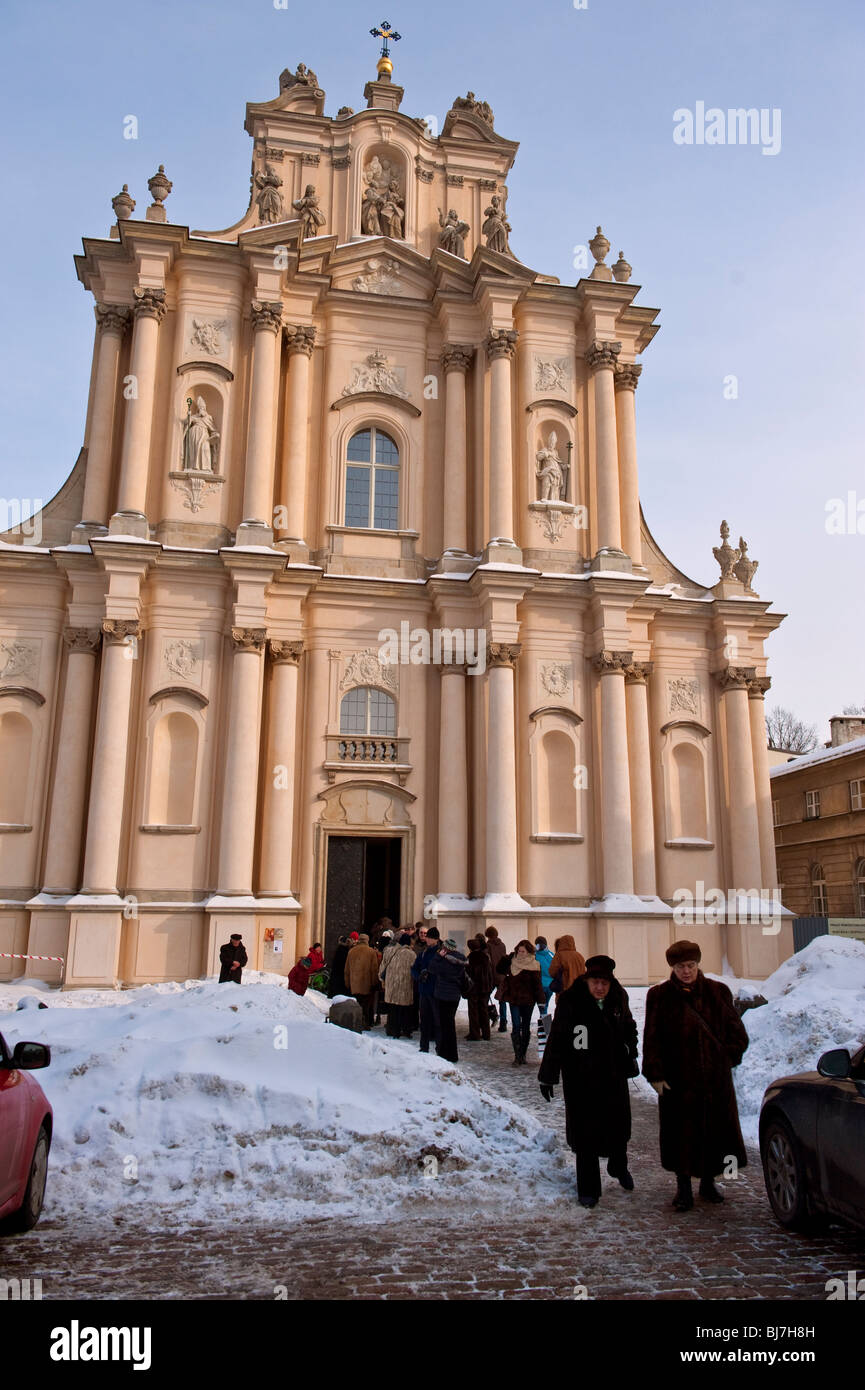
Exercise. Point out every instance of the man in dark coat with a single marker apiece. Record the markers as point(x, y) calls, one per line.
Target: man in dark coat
point(593, 1045)
point(426, 984)
point(232, 959)
point(336, 983)
point(480, 971)
point(692, 1040)
point(497, 950)
point(447, 968)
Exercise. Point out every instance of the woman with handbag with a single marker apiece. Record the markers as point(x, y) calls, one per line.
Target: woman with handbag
point(593, 1047)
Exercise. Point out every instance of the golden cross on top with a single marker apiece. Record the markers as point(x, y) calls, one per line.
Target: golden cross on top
point(386, 34)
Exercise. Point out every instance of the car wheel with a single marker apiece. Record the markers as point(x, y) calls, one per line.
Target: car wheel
point(784, 1176)
point(25, 1218)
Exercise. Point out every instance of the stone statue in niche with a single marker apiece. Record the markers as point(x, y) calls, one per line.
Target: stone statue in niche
point(370, 221)
point(311, 215)
point(268, 197)
point(392, 212)
point(382, 210)
point(496, 228)
point(200, 439)
point(550, 472)
point(453, 233)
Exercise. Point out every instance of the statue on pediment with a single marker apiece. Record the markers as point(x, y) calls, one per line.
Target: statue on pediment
point(301, 77)
point(453, 233)
point(482, 109)
point(268, 197)
point(310, 213)
point(496, 228)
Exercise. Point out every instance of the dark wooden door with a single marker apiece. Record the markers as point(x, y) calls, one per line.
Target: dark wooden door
point(344, 901)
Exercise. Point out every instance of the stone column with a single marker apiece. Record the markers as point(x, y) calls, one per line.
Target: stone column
point(500, 345)
point(277, 836)
point(744, 826)
point(112, 321)
point(456, 361)
point(110, 748)
point(763, 788)
point(149, 310)
point(453, 797)
point(625, 382)
point(501, 770)
point(640, 773)
point(300, 341)
point(601, 358)
point(256, 527)
point(66, 821)
point(616, 836)
point(240, 787)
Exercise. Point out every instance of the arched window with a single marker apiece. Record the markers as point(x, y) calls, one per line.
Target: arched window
point(172, 770)
point(859, 888)
point(819, 894)
point(16, 741)
point(689, 793)
point(365, 710)
point(372, 481)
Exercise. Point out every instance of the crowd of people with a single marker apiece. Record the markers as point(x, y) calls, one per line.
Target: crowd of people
point(692, 1039)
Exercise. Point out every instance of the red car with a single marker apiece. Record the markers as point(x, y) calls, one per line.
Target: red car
point(26, 1122)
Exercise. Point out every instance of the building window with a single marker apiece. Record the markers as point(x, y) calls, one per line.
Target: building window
point(372, 481)
point(776, 813)
point(819, 895)
point(812, 805)
point(857, 794)
point(366, 710)
point(859, 889)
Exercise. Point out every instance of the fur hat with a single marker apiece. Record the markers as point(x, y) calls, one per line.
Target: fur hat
point(600, 967)
point(683, 950)
point(363, 938)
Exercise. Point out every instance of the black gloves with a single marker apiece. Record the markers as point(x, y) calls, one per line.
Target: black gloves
point(547, 1091)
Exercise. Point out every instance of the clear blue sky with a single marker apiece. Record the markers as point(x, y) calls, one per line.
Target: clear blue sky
point(755, 261)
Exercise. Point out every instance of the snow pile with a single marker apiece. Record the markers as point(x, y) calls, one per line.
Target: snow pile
point(816, 1002)
point(218, 1102)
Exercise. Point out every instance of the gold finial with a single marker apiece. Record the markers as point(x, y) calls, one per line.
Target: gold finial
point(384, 67)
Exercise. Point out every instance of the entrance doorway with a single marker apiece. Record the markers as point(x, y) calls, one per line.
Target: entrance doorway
point(363, 884)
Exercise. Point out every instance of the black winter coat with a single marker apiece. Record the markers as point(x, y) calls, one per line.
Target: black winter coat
point(227, 954)
point(595, 1066)
point(692, 1040)
point(448, 972)
point(336, 984)
point(480, 969)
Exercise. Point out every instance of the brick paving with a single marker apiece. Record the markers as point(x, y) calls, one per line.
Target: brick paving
point(631, 1246)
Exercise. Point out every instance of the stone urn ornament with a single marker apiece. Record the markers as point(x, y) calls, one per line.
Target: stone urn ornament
point(123, 204)
point(745, 568)
point(160, 187)
point(621, 270)
point(725, 554)
point(599, 247)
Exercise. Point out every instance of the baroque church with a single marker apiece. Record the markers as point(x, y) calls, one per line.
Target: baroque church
point(348, 607)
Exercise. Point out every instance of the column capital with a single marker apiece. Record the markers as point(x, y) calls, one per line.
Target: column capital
point(284, 653)
point(735, 678)
point(249, 639)
point(82, 639)
point(627, 376)
point(638, 672)
point(504, 654)
point(501, 342)
point(117, 631)
point(457, 358)
point(149, 303)
point(299, 337)
point(610, 663)
point(603, 355)
point(266, 314)
point(448, 668)
point(113, 318)
point(757, 688)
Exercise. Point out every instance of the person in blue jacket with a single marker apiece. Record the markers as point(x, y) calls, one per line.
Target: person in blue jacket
point(543, 955)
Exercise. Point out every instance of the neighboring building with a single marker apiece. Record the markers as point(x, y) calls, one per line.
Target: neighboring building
point(818, 805)
point(351, 413)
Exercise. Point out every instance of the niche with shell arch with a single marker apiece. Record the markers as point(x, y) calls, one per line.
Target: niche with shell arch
point(552, 462)
point(174, 734)
point(684, 764)
point(555, 760)
point(16, 760)
point(199, 450)
point(382, 209)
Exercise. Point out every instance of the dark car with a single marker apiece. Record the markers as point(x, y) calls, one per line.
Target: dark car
point(812, 1142)
point(26, 1121)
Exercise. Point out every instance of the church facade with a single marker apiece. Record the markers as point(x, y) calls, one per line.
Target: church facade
point(348, 607)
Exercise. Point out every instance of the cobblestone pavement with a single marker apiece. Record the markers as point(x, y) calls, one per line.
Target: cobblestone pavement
point(631, 1246)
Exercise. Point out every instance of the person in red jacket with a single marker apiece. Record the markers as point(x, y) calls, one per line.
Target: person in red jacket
point(298, 978)
point(316, 959)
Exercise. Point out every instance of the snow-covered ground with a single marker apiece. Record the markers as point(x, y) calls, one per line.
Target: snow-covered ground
point(212, 1101)
point(201, 1101)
